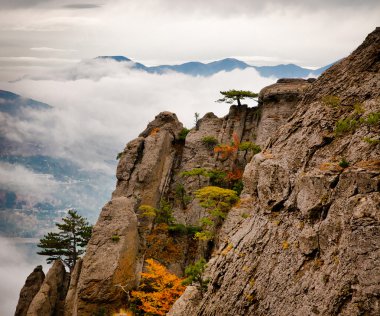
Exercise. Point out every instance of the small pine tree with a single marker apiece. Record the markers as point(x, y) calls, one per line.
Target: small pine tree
point(194, 274)
point(231, 96)
point(69, 243)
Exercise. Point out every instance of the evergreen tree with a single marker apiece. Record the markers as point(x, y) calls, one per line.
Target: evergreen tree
point(69, 243)
point(237, 95)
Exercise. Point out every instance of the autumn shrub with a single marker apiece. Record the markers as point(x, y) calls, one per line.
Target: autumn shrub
point(158, 290)
point(331, 100)
point(163, 244)
point(228, 151)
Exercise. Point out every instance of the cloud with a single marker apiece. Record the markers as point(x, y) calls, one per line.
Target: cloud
point(17, 178)
point(17, 261)
point(100, 105)
point(50, 49)
point(82, 6)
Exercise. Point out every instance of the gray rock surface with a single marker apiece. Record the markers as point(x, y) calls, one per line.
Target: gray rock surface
point(310, 244)
point(29, 290)
point(48, 300)
point(110, 262)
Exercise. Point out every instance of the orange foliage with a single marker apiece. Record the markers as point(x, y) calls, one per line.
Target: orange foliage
point(123, 312)
point(227, 151)
point(154, 131)
point(159, 289)
point(162, 246)
point(235, 174)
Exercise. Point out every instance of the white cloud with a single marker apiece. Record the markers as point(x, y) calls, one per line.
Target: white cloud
point(101, 105)
point(17, 261)
point(17, 178)
point(51, 49)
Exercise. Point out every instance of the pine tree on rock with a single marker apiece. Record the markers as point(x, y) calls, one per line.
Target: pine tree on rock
point(69, 243)
point(231, 96)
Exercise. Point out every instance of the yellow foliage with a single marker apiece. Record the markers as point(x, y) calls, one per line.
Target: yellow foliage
point(285, 245)
point(159, 289)
point(123, 312)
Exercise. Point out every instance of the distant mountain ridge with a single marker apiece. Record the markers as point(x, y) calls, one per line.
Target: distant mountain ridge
point(12, 103)
point(196, 68)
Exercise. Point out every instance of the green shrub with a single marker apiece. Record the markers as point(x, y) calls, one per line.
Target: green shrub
point(183, 133)
point(209, 141)
point(181, 195)
point(371, 141)
point(194, 274)
point(181, 229)
point(249, 146)
point(331, 100)
point(345, 126)
point(372, 119)
point(164, 214)
point(119, 155)
point(115, 238)
point(217, 178)
point(344, 163)
point(196, 172)
point(358, 108)
point(238, 186)
point(217, 202)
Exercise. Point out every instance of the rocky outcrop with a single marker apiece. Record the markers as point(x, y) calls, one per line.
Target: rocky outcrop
point(51, 296)
point(70, 308)
point(111, 259)
point(29, 290)
point(309, 243)
point(277, 103)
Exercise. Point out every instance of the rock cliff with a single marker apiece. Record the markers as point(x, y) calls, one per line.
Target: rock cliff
point(305, 237)
point(311, 243)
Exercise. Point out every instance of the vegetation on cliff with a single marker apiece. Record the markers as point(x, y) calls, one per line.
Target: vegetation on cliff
point(69, 243)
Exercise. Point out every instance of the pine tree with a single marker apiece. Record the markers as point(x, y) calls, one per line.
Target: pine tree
point(237, 95)
point(69, 243)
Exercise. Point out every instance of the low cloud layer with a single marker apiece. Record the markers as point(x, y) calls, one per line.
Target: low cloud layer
point(17, 178)
point(17, 261)
point(101, 105)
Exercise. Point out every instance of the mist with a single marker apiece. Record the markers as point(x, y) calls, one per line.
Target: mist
point(99, 106)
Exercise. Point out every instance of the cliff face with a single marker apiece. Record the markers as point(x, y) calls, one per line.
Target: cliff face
point(311, 245)
point(305, 237)
point(149, 170)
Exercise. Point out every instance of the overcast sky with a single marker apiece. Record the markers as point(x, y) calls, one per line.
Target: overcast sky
point(40, 33)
